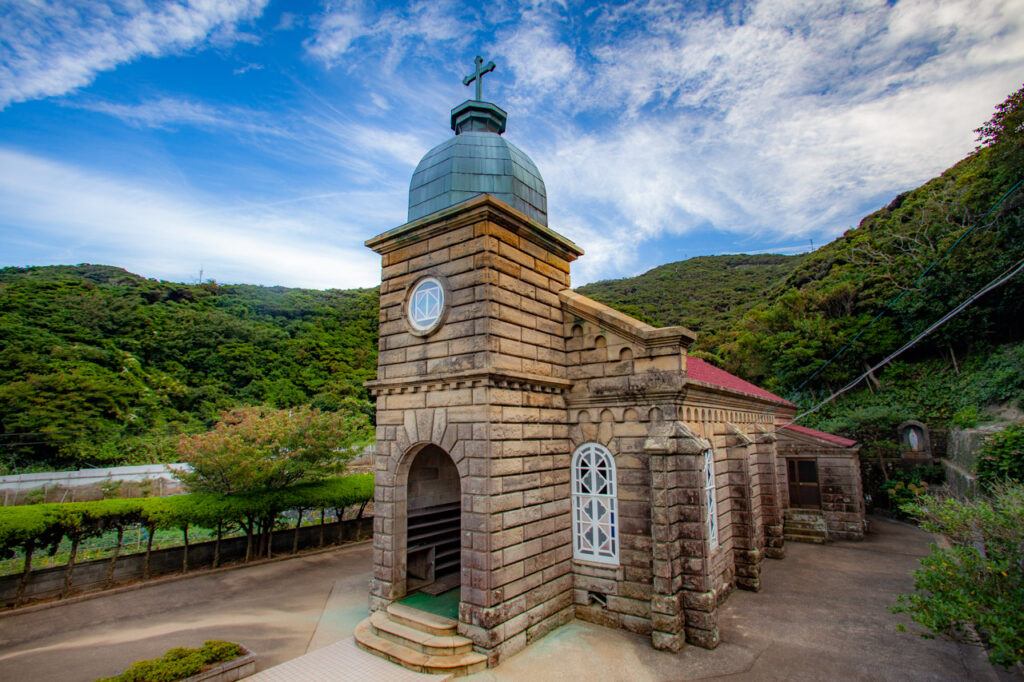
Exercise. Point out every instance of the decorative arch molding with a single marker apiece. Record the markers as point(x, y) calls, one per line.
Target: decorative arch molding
point(405, 461)
point(422, 427)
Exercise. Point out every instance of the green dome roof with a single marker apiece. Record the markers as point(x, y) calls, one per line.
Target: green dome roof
point(478, 160)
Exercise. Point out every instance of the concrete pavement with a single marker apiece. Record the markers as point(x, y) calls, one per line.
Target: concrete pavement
point(273, 608)
point(820, 616)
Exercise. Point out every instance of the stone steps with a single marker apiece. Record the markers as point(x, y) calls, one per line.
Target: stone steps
point(805, 525)
point(419, 641)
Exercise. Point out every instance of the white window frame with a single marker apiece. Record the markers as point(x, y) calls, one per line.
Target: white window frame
point(594, 489)
point(426, 304)
point(710, 499)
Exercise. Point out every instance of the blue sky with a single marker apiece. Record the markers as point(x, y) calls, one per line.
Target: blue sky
point(263, 142)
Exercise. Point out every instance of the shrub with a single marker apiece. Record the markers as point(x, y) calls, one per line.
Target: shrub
point(979, 580)
point(1001, 457)
point(903, 491)
point(178, 663)
point(867, 424)
point(965, 418)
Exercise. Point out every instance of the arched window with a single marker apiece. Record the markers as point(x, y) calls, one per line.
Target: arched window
point(710, 502)
point(595, 523)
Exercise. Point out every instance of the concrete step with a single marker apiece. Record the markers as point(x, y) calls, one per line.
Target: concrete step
point(816, 539)
point(426, 642)
point(421, 620)
point(804, 515)
point(456, 664)
point(812, 527)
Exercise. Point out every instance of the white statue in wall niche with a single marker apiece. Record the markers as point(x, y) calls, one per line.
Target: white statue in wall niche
point(914, 439)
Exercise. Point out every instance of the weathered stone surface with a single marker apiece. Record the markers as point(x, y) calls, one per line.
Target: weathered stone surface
point(521, 373)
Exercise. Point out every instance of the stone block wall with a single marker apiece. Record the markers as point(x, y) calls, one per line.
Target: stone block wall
point(630, 394)
point(771, 492)
point(839, 482)
point(488, 388)
point(521, 372)
point(618, 596)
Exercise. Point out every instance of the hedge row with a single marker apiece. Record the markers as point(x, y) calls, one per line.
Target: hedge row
point(44, 526)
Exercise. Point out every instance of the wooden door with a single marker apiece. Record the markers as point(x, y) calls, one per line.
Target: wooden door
point(803, 483)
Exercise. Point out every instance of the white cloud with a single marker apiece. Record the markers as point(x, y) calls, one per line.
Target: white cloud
point(168, 112)
point(393, 33)
point(88, 217)
point(769, 121)
point(788, 120)
point(51, 48)
point(248, 67)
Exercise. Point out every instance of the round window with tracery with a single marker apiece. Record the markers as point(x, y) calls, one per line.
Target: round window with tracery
point(426, 305)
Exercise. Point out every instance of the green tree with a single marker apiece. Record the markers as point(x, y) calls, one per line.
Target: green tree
point(254, 449)
point(979, 579)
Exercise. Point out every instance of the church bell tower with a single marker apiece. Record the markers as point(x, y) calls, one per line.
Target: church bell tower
point(472, 462)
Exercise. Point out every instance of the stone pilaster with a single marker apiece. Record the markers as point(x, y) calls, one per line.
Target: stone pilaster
point(745, 491)
point(679, 548)
point(771, 491)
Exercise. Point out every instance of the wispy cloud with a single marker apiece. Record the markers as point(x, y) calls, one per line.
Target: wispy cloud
point(767, 121)
point(169, 112)
point(88, 217)
point(392, 33)
point(770, 119)
point(51, 48)
point(779, 120)
point(247, 68)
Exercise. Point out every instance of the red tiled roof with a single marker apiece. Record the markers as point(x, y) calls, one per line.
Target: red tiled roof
point(830, 437)
point(698, 370)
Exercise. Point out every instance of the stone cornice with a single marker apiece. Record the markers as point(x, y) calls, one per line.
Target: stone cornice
point(669, 387)
point(470, 379)
point(477, 209)
point(630, 328)
point(652, 397)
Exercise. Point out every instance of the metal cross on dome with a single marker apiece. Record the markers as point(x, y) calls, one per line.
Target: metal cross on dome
point(478, 76)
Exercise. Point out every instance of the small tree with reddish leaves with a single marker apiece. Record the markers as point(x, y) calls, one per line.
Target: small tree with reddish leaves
point(258, 448)
point(1004, 133)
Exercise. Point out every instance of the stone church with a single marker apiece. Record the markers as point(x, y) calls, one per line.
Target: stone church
point(542, 457)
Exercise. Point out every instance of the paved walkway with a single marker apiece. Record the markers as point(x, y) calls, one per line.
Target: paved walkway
point(821, 616)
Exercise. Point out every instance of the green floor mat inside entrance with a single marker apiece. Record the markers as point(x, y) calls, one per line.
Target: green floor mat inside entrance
point(445, 604)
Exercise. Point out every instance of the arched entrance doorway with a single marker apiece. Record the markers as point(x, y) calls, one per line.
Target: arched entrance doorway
point(434, 523)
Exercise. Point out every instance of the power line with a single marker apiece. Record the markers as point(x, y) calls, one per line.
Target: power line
point(1001, 279)
point(899, 296)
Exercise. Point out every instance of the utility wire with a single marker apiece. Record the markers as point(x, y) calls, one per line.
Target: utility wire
point(1001, 279)
point(897, 298)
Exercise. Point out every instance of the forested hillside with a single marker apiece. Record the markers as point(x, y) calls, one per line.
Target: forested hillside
point(852, 302)
point(100, 366)
point(776, 320)
point(705, 294)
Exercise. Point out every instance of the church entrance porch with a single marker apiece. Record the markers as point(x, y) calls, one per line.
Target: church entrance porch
point(434, 513)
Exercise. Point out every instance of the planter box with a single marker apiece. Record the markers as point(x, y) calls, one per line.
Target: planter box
point(228, 671)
